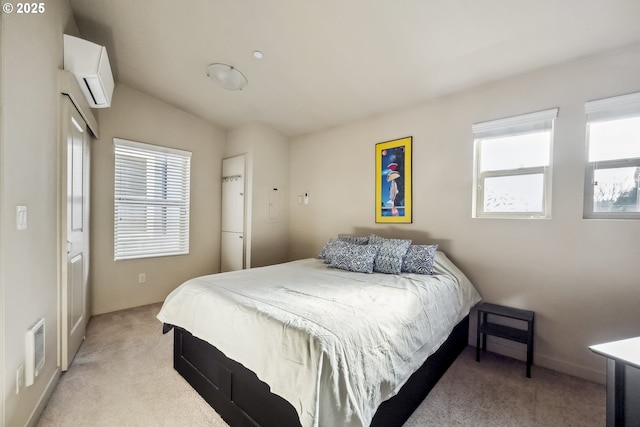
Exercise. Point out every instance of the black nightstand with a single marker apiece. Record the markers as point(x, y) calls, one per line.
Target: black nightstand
point(486, 327)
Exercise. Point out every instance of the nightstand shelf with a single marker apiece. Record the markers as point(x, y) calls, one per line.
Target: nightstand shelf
point(486, 327)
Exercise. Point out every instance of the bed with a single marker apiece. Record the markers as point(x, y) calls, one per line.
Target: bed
point(303, 344)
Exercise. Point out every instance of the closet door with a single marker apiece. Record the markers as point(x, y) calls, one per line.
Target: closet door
point(232, 241)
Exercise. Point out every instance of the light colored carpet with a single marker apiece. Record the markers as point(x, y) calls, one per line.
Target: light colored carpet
point(496, 393)
point(123, 376)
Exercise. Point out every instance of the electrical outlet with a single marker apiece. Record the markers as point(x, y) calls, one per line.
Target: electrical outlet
point(142, 277)
point(19, 378)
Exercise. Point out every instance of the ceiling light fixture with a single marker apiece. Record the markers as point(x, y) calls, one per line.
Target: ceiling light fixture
point(257, 54)
point(226, 76)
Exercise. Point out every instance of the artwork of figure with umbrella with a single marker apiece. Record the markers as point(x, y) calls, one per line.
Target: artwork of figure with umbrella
point(391, 180)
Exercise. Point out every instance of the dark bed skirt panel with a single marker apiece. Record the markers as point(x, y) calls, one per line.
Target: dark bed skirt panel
point(242, 400)
point(396, 410)
point(235, 392)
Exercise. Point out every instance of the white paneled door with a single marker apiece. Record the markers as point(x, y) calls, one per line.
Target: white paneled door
point(232, 242)
point(75, 225)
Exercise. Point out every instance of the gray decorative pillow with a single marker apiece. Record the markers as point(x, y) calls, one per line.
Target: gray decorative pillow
point(325, 249)
point(353, 257)
point(419, 259)
point(332, 247)
point(391, 254)
point(358, 240)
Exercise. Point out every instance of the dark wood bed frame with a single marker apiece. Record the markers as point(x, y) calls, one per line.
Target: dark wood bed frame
point(243, 400)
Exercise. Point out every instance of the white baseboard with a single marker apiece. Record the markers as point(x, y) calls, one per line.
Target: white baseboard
point(121, 305)
point(571, 369)
point(44, 399)
point(518, 351)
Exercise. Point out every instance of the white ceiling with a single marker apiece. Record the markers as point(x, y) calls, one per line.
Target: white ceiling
point(327, 62)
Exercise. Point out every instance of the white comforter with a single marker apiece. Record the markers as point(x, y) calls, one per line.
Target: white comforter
point(333, 343)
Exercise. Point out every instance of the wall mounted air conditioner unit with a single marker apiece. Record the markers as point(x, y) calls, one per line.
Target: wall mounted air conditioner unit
point(89, 63)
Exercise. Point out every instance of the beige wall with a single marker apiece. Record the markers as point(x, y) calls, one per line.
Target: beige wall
point(31, 56)
point(579, 276)
point(138, 117)
point(267, 168)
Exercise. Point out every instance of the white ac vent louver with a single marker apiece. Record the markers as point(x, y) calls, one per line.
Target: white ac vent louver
point(89, 63)
point(34, 351)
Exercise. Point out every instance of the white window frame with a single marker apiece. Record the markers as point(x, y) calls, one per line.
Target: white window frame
point(600, 110)
point(525, 123)
point(151, 200)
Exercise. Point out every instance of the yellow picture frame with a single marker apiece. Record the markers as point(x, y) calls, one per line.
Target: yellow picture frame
point(393, 181)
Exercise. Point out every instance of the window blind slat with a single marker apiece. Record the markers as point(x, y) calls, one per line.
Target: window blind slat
point(616, 107)
point(521, 124)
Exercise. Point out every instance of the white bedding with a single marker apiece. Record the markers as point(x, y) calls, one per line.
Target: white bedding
point(333, 343)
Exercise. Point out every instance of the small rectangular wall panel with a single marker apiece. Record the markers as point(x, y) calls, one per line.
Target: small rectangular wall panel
point(233, 197)
point(232, 251)
point(76, 301)
point(233, 204)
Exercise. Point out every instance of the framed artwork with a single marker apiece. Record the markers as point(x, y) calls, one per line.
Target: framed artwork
point(393, 181)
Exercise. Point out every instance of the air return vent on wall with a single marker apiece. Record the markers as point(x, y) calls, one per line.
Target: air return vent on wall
point(89, 63)
point(34, 349)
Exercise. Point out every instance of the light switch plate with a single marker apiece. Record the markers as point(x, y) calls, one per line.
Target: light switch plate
point(21, 217)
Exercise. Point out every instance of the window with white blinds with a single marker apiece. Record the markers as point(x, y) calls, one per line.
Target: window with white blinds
point(612, 178)
point(512, 166)
point(151, 200)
